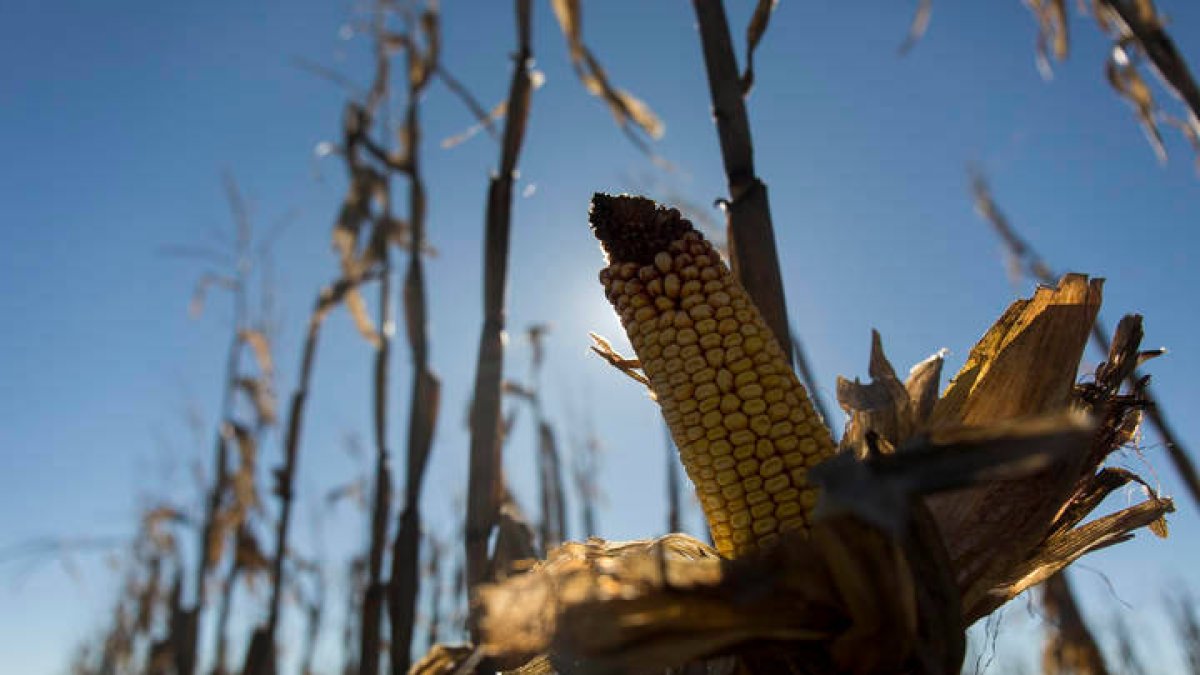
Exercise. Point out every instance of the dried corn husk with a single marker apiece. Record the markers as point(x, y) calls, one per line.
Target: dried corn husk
point(981, 499)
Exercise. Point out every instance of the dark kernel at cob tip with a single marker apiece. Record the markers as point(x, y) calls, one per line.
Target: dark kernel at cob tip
point(634, 229)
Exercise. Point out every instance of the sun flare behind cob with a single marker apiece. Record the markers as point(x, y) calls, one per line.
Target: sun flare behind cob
point(745, 428)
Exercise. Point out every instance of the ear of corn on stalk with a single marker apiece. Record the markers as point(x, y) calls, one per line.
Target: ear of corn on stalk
point(746, 430)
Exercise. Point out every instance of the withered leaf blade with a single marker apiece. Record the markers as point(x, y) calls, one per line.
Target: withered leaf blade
point(1064, 549)
point(1140, 24)
point(483, 118)
point(626, 108)
point(754, 34)
point(1052, 32)
point(364, 184)
point(918, 27)
point(484, 121)
point(261, 347)
point(1125, 79)
point(357, 306)
point(200, 292)
point(1089, 495)
point(243, 481)
point(331, 296)
point(355, 491)
point(261, 397)
point(249, 556)
point(1017, 252)
point(569, 16)
point(513, 388)
point(631, 367)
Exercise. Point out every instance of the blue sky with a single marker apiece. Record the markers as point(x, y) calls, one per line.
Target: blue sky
point(118, 120)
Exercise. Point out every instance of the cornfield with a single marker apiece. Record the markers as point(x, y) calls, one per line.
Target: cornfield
point(870, 540)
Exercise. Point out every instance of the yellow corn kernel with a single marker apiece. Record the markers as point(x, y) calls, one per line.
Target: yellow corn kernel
point(793, 524)
point(736, 421)
point(748, 467)
point(771, 467)
point(726, 477)
point(724, 379)
point(764, 524)
point(787, 510)
point(743, 451)
point(777, 484)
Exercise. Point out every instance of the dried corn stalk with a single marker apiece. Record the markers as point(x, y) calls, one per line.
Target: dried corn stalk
point(1070, 647)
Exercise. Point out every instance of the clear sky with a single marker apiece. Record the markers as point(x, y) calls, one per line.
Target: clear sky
point(117, 120)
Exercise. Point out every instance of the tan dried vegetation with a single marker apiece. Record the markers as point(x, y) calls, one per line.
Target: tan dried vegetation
point(872, 555)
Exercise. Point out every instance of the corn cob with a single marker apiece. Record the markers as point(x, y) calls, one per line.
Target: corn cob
point(743, 423)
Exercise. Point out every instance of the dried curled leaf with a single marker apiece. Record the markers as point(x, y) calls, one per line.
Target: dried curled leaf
point(514, 388)
point(261, 395)
point(1019, 253)
point(631, 367)
point(487, 120)
point(920, 24)
point(1052, 32)
point(261, 347)
point(245, 486)
point(357, 306)
point(248, 555)
point(365, 185)
point(200, 292)
point(1125, 80)
point(626, 108)
point(754, 34)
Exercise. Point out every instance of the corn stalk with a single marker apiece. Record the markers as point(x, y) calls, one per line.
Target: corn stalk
point(484, 490)
point(422, 53)
point(753, 254)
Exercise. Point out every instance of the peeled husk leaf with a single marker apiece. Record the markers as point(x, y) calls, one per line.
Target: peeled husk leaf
point(1006, 535)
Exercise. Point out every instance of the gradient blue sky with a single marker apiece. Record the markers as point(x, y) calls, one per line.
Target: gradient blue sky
point(118, 118)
